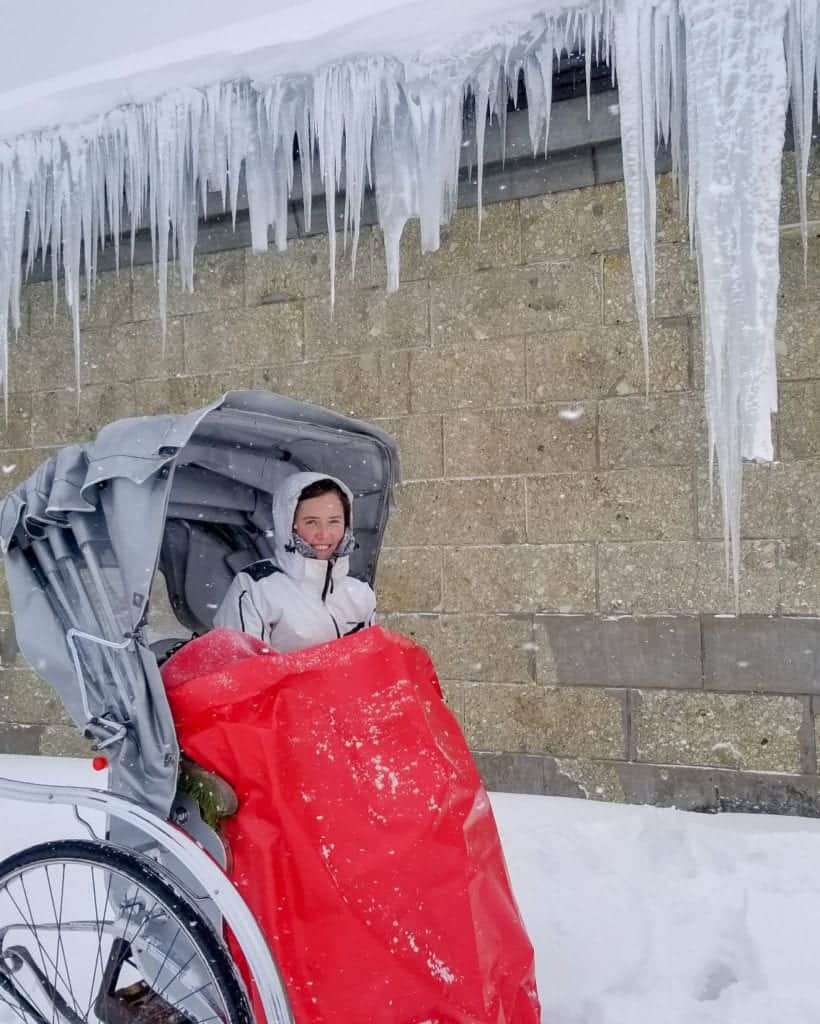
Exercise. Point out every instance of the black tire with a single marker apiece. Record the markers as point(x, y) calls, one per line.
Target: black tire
point(22, 877)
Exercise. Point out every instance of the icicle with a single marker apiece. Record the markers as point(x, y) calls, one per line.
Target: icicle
point(487, 75)
point(737, 94)
point(538, 71)
point(588, 27)
point(633, 40)
point(801, 55)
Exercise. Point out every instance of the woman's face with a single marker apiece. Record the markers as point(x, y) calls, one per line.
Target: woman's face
point(320, 522)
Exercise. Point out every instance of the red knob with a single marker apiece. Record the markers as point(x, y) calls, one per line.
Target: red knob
point(99, 764)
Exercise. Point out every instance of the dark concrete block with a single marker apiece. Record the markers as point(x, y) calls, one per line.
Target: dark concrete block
point(717, 790)
point(758, 652)
point(20, 739)
point(512, 773)
point(586, 650)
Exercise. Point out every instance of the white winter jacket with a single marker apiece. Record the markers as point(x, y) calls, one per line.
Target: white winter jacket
point(292, 601)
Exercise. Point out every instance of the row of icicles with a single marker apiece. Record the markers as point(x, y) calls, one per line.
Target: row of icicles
point(374, 123)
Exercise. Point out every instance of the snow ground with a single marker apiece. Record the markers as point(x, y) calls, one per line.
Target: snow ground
point(638, 915)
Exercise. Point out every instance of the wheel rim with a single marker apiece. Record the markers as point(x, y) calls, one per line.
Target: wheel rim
point(90, 943)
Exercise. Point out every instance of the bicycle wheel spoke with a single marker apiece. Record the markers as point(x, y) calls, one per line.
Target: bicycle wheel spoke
point(146, 930)
point(190, 995)
point(56, 962)
point(29, 921)
point(16, 1007)
point(168, 952)
point(98, 959)
point(45, 957)
point(180, 972)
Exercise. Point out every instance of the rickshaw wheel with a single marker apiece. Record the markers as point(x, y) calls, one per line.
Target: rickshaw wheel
point(94, 934)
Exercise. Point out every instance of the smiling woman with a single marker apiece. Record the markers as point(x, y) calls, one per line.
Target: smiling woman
point(322, 516)
point(304, 594)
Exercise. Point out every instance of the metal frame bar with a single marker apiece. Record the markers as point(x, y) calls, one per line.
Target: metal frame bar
point(217, 885)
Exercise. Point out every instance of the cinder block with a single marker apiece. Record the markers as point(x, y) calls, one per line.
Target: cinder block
point(63, 741)
point(667, 430)
point(364, 385)
point(56, 420)
point(304, 270)
point(575, 223)
point(696, 349)
point(512, 773)
point(20, 739)
point(634, 504)
point(459, 512)
point(575, 364)
point(10, 656)
point(582, 777)
point(421, 445)
point(800, 577)
point(409, 580)
point(505, 303)
point(453, 693)
point(44, 359)
point(16, 431)
point(130, 352)
point(779, 500)
point(670, 225)
point(219, 284)
point(26, 699)
point(17, 466)
point(590, 650)
point(798, 421)
point(366, 320)
point(395, 382)
point(468, 375)
point(798, 342)
point(110, 303)
point(789, 203)
point(676, 288)
point(799, 281)
point(520, 578)
point(534, 439)
point(461, 249)
point(816, 736)
point(715, 789)
point(732, 730)
point(184, 394)
point(226, 340)
point(477, 648)
point(686, 577)
point(564, 722)
point(761, 653)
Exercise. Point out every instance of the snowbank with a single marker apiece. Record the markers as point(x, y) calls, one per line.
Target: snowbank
point(638, 914)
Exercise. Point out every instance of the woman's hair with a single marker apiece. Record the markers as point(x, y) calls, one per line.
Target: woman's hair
point(320, 487)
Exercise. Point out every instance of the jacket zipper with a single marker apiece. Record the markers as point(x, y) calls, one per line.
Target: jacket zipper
point(329, 586)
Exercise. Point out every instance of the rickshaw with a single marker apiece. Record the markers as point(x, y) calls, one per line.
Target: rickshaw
point(140, 924)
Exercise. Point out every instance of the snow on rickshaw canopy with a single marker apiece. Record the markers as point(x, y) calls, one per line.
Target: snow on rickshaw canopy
point(115, 115)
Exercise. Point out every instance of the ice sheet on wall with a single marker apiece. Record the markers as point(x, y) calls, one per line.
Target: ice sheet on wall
point(709, 78)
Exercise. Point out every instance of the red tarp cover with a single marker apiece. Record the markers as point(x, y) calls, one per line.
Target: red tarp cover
point(365, 843)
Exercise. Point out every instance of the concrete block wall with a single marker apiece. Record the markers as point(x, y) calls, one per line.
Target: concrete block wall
point(556, 547)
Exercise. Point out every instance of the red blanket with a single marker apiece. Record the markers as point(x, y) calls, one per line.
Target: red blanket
point(365, 844)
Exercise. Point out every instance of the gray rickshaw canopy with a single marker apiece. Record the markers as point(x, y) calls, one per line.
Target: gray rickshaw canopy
point(190, 495)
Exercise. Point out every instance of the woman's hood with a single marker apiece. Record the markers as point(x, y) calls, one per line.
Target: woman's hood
point(285, 501)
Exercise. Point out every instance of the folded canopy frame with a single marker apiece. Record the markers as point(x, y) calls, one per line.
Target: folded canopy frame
point(83, 537)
